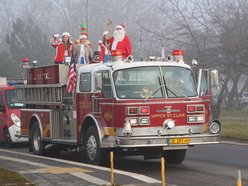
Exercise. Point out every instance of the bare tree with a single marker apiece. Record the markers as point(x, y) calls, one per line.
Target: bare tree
point(213, 32)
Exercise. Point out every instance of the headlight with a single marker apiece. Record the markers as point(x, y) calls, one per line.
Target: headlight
point(133, 121)
point(215, 127)
point(15, 120)
point(144, 121)
point(196, 119)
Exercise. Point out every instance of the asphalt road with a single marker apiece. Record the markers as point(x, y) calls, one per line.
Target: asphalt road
point(208, 165)
point(204, 165)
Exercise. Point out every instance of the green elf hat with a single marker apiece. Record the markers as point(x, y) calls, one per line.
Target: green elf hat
point(84, 30)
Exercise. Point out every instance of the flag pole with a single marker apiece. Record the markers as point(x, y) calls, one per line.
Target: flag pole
point(109, 24)
point(162, 53)
point(87, 13)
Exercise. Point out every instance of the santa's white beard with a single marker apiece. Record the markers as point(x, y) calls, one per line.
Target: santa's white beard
point(119, 35)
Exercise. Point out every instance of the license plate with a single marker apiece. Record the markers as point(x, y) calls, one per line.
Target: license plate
point(179, 141)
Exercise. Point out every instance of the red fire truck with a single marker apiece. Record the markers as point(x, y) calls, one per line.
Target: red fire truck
point(137, 108)
point(9, 115)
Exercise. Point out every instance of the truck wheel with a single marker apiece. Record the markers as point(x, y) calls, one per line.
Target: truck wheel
point(7, 139)
point(92, 146)
point(174, 156)
point(36, 141)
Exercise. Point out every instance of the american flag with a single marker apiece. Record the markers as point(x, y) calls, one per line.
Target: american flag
point(71, 78)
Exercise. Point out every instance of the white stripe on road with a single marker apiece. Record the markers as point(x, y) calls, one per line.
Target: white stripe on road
point(89, 178)
point(33, 171)
point(26, 162)
point(136, 176)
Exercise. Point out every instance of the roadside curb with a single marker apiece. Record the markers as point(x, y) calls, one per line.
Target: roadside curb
point(40, 166)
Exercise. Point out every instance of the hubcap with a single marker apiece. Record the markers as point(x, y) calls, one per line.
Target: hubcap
point(91, 147)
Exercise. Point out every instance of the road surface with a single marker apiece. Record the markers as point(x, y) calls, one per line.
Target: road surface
point(204, 165)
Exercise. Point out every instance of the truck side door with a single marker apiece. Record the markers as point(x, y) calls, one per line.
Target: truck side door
point(204, 83)
point(106, 103)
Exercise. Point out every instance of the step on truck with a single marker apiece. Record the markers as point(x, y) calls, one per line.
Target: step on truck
point(145, 108)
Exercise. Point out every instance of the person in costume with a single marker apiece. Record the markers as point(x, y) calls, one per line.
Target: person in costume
point(121, 41)
point(84, 31)
point(83, 53)
point(103, 47)
point(63, 47)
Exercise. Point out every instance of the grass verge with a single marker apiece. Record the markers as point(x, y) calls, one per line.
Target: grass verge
point(8, 177)
point(234, 124)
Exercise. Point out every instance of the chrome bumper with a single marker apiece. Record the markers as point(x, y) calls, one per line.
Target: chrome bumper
point(165, 141)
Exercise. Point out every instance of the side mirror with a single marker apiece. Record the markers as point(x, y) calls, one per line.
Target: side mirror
point(34, 63)
point(214, 77)
point(194, 62)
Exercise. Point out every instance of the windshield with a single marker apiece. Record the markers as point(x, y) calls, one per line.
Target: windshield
point(147, 82)
point(179, 82)
point(10, 100)
point(137, 83)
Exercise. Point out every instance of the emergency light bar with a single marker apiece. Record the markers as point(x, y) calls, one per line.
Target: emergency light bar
point(26, 63)
point(177, 52)
point(116, 55)
point(178, 55)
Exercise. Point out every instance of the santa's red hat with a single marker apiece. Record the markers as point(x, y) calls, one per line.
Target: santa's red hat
point(120, 26)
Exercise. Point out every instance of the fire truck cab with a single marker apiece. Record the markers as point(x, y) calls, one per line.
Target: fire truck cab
point(137, 108)
point(9, 116)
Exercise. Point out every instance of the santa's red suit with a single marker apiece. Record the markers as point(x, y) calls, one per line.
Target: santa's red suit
point(60, 49)
point(121, 41)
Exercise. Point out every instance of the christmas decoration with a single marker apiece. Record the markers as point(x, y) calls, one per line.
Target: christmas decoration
point(84, 30)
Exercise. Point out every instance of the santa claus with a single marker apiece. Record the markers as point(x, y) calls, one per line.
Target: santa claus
point(121, 41)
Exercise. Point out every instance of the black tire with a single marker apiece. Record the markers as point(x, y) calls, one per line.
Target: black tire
point(52, 150)
point(92, 151)
point(174, 156)
point(7, 139)
point(37, 145)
